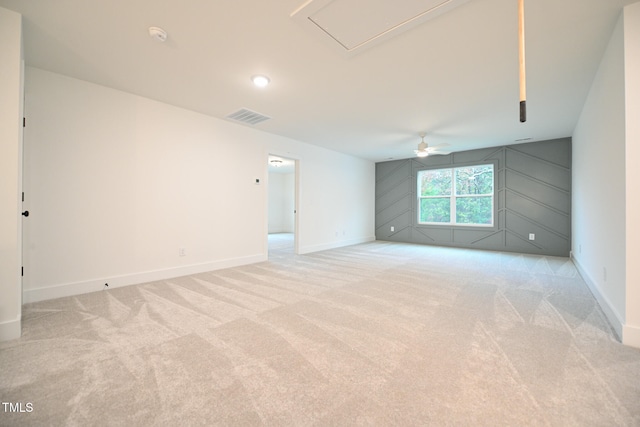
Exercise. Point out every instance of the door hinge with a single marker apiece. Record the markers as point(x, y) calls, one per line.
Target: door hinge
point(22, 271)
point(23, 196)
point(24, 122)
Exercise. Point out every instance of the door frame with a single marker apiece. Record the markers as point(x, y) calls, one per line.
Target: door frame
point(296, 199)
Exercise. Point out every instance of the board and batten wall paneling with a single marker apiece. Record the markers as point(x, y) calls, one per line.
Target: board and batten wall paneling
point(532, 195)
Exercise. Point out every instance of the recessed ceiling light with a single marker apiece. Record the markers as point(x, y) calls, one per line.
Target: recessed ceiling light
point(260, 80)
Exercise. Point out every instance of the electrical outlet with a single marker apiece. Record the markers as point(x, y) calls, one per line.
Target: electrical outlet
point(532, 236)
point(182, 252)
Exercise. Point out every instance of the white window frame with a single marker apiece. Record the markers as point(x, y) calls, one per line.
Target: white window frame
point(453, 197)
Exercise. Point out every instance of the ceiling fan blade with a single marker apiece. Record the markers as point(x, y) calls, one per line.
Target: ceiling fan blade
point(424, 149)
point(433, 149)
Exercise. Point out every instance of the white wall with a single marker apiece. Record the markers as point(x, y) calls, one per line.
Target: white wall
point(10, 173)
point(118, 183)
point(336, 196)
point(598, 204)
point(631, 332)
point(281, 202)
point(605, 242)
point(334, 191)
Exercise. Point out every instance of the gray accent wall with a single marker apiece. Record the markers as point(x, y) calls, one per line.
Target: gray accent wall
point(532, 195)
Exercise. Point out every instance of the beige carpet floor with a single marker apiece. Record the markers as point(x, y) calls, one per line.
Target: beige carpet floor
point(373, 334)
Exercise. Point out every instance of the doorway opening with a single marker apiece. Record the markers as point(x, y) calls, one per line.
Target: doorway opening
point(283, 206)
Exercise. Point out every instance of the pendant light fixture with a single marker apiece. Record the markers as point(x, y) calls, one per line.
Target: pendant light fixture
point(523, 76)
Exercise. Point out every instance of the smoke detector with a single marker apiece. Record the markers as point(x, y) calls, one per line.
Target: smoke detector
point(158, 34)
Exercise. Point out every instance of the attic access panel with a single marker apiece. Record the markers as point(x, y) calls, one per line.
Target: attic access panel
point(352, 25)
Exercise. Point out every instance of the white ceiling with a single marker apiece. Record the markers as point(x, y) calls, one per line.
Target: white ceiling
point(454, 77)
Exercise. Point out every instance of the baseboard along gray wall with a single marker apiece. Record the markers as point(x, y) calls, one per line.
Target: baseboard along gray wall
point(532, 195)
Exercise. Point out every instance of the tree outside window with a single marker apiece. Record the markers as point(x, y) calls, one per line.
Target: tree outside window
point(456, 196)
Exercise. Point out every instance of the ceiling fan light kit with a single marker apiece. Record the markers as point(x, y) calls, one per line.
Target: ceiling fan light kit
point(422, 147)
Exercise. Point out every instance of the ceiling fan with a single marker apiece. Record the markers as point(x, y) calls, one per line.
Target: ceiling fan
point(424, 150)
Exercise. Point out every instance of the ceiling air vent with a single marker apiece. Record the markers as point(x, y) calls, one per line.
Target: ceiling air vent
point(247, 116)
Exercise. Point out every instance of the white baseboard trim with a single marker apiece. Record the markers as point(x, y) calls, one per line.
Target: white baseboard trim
point(631, 336)
point(10, 330)
point(77, 288)
point(612, 315)
point(333, 245)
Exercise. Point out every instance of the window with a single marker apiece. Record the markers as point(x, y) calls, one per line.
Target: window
point(456, 196)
